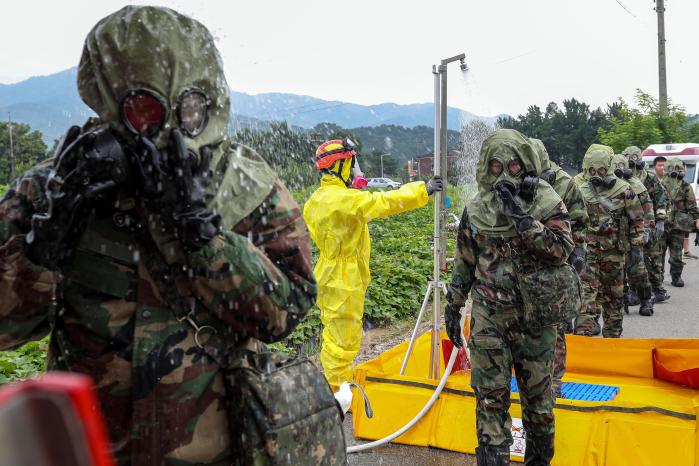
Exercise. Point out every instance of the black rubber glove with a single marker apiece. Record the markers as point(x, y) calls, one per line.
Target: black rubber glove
point(87, 166)
point(635, 255)
point(434, 184)
point(659, 229)
point(173, 183)
point(452, 320)
point(646, 236)
point(512, 208)
point(577, 259)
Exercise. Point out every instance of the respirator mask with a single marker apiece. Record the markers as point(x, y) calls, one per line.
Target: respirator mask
point(599, 177)
point(549, 176)
point(513, 178)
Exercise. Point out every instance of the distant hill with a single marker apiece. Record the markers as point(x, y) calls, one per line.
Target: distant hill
point(51, 104)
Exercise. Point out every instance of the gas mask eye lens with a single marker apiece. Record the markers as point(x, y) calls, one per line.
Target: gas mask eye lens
point(592, 171)
point(142, 112)
point(602, 171)
point(514, 167)
point(495, 168)
point(192, 111)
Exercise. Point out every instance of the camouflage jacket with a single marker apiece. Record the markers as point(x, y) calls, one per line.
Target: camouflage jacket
point(647, 206)
point(684, 210)
point(657, 195)
point(615, 223)
point(568, 191)
point(485, 265)
point(163, 397)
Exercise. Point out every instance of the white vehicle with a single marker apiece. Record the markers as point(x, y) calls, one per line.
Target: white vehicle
point(385, 183)
point(687, 152)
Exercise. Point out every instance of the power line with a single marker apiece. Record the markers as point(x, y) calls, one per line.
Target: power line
point(627, 10)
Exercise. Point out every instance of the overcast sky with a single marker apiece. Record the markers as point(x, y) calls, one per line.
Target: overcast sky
point(520, 52)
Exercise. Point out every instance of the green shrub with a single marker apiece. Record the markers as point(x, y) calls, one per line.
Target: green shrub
point(27, 361)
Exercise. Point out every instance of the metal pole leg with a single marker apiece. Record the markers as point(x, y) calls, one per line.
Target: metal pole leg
point(430, 286)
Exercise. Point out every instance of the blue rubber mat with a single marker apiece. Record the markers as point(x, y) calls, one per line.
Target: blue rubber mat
point(581, 391)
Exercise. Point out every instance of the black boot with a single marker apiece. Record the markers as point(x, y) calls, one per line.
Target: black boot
point(539, 451)
point(645, 294)
point(493, 455)
point(660, 296)
point(633, 298)
point(677, 280)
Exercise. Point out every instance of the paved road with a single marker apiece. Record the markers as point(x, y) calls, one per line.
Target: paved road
point(677, 318)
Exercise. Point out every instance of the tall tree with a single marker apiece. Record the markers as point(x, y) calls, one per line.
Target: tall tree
point(646, 124)
point(27, 146)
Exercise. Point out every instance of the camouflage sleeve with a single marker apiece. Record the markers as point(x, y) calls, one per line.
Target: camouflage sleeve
point(26, 289)
point(635, 214)
point(691, 202)
point(658, 198)
point(463, 273)
point(258, 278)
point(550, 240)
point(577, 211)
point(647, 206)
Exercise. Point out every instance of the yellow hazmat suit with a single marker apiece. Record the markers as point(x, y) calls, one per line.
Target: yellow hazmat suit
point(337, 218)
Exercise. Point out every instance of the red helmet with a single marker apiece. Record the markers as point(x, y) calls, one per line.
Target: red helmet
point(331, 151)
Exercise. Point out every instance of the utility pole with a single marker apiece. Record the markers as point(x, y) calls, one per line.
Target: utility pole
point(12, 150)
point(381, 164)
point(662, 71)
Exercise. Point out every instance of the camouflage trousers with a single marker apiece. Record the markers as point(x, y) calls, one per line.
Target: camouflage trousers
point(653, 257)
point(673, 240)
point(559, 358)
point(603, 291)
point(636, 277)
point(498, 343)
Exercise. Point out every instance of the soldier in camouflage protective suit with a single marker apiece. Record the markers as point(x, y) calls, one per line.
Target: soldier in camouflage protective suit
point(512, 223)
point(615, 229)
point(227, 235)
point(566, 189)
point(652, 254)
point(636, 276)
point(684, 217)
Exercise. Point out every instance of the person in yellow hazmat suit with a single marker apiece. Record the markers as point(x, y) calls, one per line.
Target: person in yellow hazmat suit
point(337, 215)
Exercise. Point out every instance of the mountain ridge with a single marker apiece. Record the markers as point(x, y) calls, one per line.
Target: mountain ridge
point(51, 103)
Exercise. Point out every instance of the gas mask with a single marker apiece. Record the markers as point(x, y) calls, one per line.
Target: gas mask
point(509, 171)
point(145, 113)
point(549, 176)
point(677, 174)
point(596, 165)
point(621, 170)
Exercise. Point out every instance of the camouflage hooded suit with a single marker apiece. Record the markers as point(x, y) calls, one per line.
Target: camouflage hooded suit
point(682, 217)
point(652, 254)
point(488, 251)
point(162, 396)
point(636, 274)
point(616, 225)
point(568, 191)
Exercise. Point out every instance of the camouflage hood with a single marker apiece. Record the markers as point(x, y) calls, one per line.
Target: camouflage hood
point(620, 161)
point(483, 210)
point(599, 157)
point(673, 185)
point(157, 50)
point(542, 153)
point(633, 154)
point(166, 53)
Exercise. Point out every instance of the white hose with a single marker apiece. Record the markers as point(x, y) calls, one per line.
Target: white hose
point(418, 416)
point(423, 411)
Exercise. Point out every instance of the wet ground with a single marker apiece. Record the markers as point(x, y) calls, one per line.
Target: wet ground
point(677, 318)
